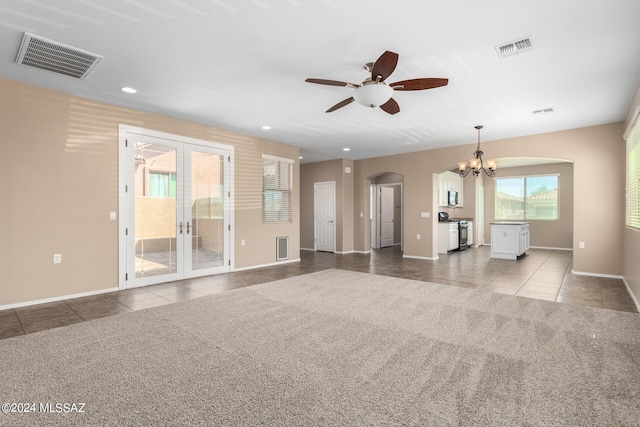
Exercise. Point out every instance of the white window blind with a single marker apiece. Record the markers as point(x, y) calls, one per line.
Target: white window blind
point(633, 173)
point(276, 189)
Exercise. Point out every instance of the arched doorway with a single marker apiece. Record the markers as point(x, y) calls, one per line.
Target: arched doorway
point(386, 205)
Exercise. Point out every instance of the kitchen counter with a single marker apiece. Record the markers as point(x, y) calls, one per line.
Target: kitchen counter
point(509, 239)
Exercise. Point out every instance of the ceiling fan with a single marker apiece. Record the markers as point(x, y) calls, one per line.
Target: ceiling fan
point(374, 92)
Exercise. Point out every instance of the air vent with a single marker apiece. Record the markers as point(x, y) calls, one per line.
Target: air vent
point(543, 111)
point(58, 58)
point(515, 47)
point(282, 248)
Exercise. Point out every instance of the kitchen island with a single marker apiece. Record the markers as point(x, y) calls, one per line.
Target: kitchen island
point(509, 239)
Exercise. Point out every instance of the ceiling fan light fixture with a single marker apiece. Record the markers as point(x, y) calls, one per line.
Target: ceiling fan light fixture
point(373, 94)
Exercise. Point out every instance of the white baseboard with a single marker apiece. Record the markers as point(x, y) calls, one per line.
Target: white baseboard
point(633, 297)
point(542, 247)
point(308, 249)
point(289, 261)
point(420, 257)
point(550, 248)
point(54, 299)
point(586, 273)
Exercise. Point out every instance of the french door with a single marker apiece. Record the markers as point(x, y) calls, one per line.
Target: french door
point(176, 208)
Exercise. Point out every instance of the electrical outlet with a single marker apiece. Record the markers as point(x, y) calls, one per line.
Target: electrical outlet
point(581, 245)
point(242, 242)
point(57, 258)
point(418, 237)
point(112, 216)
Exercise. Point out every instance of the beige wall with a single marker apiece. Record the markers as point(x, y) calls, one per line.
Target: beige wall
point(631, 245)
point(597, 154)
point(59, 169)
point(548, 234)
point(332, 170)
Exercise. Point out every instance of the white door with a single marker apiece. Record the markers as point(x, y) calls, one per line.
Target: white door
point(175, 209)
point(386, 216)
point(479, 228)
point(324, 216)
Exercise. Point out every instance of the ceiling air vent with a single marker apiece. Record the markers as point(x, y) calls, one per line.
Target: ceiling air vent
point(56, 57)
point(515, 47)
point(543, 111)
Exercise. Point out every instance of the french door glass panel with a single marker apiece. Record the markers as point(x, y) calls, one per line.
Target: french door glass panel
point(178, 224)
point(156, 210)
point(207, 222)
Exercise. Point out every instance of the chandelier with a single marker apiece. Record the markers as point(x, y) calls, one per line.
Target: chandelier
point(477, 164)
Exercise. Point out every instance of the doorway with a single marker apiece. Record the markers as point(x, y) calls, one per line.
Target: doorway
point(324, 206)
point(175, 207)
point(386, 213)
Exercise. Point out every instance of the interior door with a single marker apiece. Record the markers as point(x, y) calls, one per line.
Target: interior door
point(324, 213)
point(386, 216)
point(175, 209)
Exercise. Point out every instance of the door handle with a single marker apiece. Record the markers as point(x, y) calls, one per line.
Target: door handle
point(188, 227)
point(180, 227)
point(330, 222)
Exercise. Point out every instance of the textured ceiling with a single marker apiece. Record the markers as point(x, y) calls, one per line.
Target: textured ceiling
point(241, 64)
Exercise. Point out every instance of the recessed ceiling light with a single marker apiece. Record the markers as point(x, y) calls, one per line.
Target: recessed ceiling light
point(128, 89)
point(346, 149)
point(266, 127)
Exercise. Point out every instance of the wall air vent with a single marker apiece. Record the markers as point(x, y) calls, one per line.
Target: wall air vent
point(515, 47)
point(58, 58)
point(282, 248)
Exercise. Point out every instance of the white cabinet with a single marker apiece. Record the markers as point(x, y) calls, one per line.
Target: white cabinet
point(454, 242)
point(447, 237)
point(509, 240)
point(449, 181)
point(524, 240)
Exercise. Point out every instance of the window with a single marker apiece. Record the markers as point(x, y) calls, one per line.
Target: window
point(633, 174)
point(276, 189)
point(531, 197)
point(162, 184)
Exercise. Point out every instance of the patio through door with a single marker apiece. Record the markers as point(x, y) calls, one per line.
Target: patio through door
point(177, 209)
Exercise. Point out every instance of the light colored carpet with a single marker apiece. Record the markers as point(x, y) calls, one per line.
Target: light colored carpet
point(335, 348)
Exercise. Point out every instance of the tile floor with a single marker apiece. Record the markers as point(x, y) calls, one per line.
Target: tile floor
point(542, 274)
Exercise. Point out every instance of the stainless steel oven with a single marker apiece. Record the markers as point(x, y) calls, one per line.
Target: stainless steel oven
point(463, 235)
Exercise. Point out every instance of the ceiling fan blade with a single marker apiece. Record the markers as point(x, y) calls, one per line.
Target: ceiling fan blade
point(384, 66)
point(391, 106)
point(332, 83)
point(340, 104)
point(419, 84)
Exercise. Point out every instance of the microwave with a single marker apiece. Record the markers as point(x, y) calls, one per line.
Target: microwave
point(452, 198)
